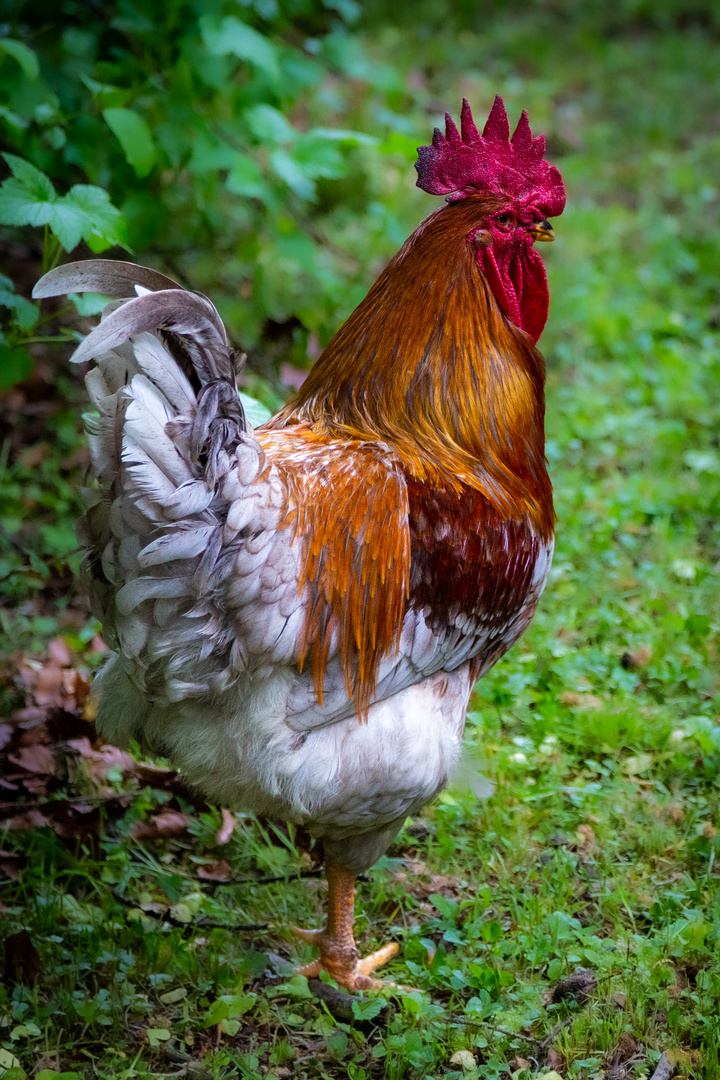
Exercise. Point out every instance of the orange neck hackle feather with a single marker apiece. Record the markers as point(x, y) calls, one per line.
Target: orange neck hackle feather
point(428, 373)
point(429, 365)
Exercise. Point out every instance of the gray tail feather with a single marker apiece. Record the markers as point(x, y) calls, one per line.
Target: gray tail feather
point(186, 322)
point(111, 277)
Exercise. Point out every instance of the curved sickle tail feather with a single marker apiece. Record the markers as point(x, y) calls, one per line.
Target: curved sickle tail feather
point(180, 476)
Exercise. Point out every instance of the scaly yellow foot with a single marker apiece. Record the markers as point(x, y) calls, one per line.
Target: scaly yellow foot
point(339, 955)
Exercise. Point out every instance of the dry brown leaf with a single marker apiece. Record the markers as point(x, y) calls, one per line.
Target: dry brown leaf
point(10, 864)
point(168, 823)
point(580, 701)
point(30, 456)
point(215, 871)
point(227, 828)
point(585, 836)
point(59, 652)
point(555, 1061)
point(25, 819)
point(35, 759)
point(99, 762)
point(47, 685)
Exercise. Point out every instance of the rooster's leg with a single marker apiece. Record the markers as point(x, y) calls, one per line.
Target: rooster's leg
point(338, 953)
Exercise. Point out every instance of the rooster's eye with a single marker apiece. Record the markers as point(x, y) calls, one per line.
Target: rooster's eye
point(504, 219)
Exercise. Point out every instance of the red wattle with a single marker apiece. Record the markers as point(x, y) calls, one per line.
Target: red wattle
point(520, 288)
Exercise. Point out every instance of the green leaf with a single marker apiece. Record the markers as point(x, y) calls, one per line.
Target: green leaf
point(233, 37)
point(269, 125)
point(554, 970)
point(239, 1004)
point(255, 413)
point(230, 1027)
point(133, 134)
point(156, 1036)
point(91, 303)
point(67, 223)
point(27, 197)
point(246, 178)
point(289, 170)
point(35, 181)
point(101, 219)
point(367, 1009)
point(24, 313)
point(25, 57)
point(16, 365)
point(13, 119)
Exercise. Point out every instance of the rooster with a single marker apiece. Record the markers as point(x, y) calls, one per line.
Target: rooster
point(298, 613)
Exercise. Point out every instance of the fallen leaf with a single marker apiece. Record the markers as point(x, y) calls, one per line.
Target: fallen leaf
point(580, 701)
point(10, 863)
point(47, 686)
point(59, 652)
point(168, 823)
point(227, 828)
point(31, 456)
point(26, 819)
point(464, 1059)
point(101, 761)
point(35, 759)
point(555, 1060)
point(585, 836)
point(628, 1047)
point(216, 871)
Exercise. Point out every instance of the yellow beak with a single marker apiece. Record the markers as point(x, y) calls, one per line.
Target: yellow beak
point(542, 231)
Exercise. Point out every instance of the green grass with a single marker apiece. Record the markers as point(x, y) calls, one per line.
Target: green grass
point(598, 844)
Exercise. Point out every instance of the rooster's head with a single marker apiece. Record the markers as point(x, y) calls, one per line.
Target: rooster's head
point(516, 190)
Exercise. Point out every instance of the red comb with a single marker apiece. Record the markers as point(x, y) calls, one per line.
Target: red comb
point(459, 163)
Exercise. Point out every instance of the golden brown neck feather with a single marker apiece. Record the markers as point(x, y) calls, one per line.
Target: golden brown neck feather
point(429, 364)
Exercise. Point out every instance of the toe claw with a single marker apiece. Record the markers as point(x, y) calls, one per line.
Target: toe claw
point(310, 937)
